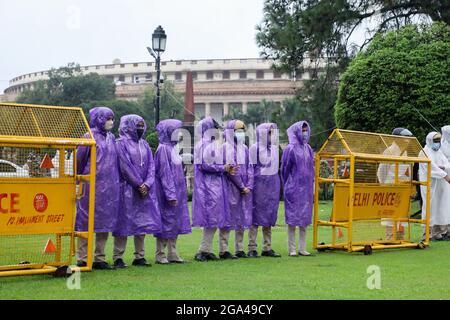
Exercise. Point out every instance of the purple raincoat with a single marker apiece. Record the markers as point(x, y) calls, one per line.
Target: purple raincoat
point(137, 215)
point(107, 175)
point(209, 201)
point(171, 183)
point(240, 205)
point(297, 173)
point(266, 186)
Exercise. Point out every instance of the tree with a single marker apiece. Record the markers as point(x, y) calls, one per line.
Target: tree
point(172, 102)
point(401, 80)
point(292, 28)
point(67, 86)
point(255, 115)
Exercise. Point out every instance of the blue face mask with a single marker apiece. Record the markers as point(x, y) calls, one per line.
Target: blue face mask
point(436, 146)
point(240, 136)
point(305, 136)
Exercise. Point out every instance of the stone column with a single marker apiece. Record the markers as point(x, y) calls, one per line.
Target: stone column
point(226, 108)
point(207, 109)
point(244, 107)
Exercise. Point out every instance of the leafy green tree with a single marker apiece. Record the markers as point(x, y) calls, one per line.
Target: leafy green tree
point(172, 102)
point(401, 80)
point(67, 86)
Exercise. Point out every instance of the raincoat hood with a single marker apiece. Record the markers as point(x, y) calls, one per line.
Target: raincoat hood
point(263, 130)
point(429, 139)
point(203, 126)
point(229, 131)
point(98, 117)
point(165, 130)
point(128, 126)
point(295, 133)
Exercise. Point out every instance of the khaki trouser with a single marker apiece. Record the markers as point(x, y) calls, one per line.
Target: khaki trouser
point(100, 242)
point(292, 246)
point(267, 238)
point(171, 245)
point(207, 240)
point(224, 237)
point(120, 244)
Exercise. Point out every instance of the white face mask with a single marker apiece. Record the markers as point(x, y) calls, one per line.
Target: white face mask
point(109, 125)
point(240, 136)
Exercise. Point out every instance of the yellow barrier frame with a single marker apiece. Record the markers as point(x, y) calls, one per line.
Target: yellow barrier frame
point(353, 157)
point(60, 143)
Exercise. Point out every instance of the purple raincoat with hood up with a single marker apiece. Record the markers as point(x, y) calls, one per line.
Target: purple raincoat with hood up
point(138, 215)
point(266, 186)
point(171, 183)
point(107, 175)
point(209, 201)
point(297, 173)
point(241, 206)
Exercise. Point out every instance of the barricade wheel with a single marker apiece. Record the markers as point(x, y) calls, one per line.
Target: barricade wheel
point(367, 250)
point(421, 245)
point(61, 272)
point(321, 249)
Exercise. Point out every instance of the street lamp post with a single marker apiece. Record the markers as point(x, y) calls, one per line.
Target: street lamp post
point(158, 47)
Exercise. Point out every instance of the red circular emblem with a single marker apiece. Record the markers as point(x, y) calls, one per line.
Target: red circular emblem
point(40, 202)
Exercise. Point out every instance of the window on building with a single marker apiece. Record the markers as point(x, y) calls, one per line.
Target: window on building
point(178, 63)
point(111, 66)
point(149, 64)
point(209, 62)
point(194, 75)
point(243, 74)
point(260, 74)
point(194, 62)
point(122, 65)
point(178, 76)
point(97, 67)
point(163, 63)
point(148, 77)
point(209, 75)
point(122, 78)
point(135, 64)
point(277, 75)
point(226, 75)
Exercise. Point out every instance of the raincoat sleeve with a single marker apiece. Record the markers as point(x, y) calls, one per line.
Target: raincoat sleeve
point(210, 167)
point(150, 177)
point(436, 172)
point(126, 168)
point(286, 163)
point(250, 174)
point(83, 154)
point(165, 173)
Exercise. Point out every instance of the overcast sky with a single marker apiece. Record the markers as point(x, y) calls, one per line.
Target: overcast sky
point(38, 35)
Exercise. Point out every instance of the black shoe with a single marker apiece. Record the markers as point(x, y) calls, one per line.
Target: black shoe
point(201, 256)
point(270, 253)
point(211, 256)
point(141, 263)
point(101, 266)
point(253, 254)
point(81, 264)
point(119, 264)
point(241, 254)
point(226, 255)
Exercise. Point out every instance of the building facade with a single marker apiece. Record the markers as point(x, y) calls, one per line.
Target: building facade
point(219, 84)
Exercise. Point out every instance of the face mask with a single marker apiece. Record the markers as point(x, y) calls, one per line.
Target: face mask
point(436, 146)
point(305, 136)
point(240, 136)
point(140, 132)
point(109, 125)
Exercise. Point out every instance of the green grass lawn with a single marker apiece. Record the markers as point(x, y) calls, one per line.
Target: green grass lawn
point(405, 274)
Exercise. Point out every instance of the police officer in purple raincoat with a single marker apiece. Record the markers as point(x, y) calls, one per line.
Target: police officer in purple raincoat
point(139, 213)
point(297, 173)
point(171, 192)
point(239, 189)
point(209, 201)
point(106, 187)
point(266, 188)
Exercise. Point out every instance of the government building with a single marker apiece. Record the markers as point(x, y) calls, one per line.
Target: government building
point(219, 84)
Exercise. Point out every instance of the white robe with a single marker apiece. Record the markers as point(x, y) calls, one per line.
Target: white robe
point(386, 175)
point(440, 188)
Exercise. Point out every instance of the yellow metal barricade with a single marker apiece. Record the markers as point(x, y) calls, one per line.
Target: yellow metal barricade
point(373, 188)
point(38, 187)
